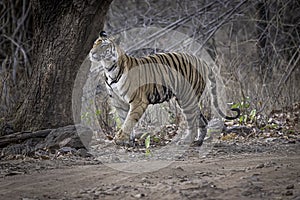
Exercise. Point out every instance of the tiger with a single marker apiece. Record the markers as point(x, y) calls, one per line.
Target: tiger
point(135, 83)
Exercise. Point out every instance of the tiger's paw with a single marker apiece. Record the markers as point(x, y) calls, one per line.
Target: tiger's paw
point(197, 143)
point(122, 139)
point(184, 141)
point(187, 140)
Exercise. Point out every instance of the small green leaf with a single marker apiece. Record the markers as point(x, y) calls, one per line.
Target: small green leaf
point(237, 105)
point(247, 105)
point(290, 131)
point(245, 118)
point(144, 135)
point(148, 152)
point(242, 104)
point(241, 119)
point(156, 139)
point(118, 121)
point(147, 142)
point(252, 114)
point(98, 112)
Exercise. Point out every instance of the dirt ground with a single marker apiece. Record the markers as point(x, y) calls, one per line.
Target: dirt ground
point(231, 170)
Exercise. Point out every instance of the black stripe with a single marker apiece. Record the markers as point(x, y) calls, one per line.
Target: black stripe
point(172, 66)
point(191, 74)
point(121, 108)
point(183, 83)
point(106, 82)
point(134, 62)
point(145, 63)
point(127, 60)
point(120, 73)
point(113, 67)
point(183, 63)
point(156, 94)
point(179, 66)
point(157, 66)
point(166, 56)
point(132, 98)
point(125, 91)
point(163, 59)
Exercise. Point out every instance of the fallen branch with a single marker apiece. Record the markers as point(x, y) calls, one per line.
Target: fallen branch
point(21, 136)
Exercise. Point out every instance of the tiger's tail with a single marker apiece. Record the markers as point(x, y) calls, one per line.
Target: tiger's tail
point(213, 90)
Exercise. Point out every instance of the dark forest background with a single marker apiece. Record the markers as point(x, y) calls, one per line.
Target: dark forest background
point(43, 43)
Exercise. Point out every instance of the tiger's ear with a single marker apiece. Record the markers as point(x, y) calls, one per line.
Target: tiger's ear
point(103, 34)
point(116, 39)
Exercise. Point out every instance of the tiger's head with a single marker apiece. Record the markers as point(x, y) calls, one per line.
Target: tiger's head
point(104, 51)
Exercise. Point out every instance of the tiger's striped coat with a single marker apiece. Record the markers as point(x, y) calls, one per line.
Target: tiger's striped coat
point(134, 83)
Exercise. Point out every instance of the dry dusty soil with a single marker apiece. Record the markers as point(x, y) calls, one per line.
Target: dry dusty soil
point(268, 170)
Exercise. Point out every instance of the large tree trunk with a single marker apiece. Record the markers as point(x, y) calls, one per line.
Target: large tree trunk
point(64, 32)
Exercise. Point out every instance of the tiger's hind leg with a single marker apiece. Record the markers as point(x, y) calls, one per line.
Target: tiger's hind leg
point(196, 123)
point(137, 109)
point(202, 130)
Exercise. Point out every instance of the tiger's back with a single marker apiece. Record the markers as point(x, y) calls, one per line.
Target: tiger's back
point(159, 77)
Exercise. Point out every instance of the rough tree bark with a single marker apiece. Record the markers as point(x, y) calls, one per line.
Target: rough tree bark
point(63, 34)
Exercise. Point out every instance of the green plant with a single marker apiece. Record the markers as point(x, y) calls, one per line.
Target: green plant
point(98, 112)
point(147, 142)
point(117, 120)
point(147, 145)
point(269, 126)
point(156, 139)
point(249, 114)
point(86, 117)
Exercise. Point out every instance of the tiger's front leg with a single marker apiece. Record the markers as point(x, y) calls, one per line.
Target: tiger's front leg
point(137, 109)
